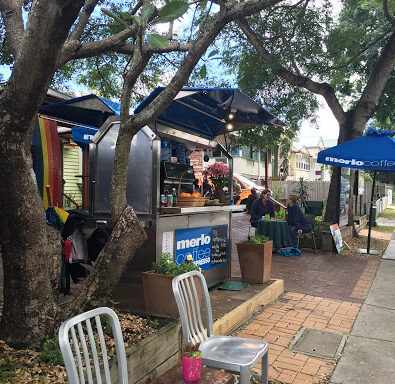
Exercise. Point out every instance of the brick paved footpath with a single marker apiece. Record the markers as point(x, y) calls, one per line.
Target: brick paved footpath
point(279, 323)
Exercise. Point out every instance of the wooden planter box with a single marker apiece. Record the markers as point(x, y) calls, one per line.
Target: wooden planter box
point(308, 242)
point(152, 356)
point(255, 261)
point(158, 294)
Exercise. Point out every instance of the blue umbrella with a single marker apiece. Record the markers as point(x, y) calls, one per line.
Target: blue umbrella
point(373, 152)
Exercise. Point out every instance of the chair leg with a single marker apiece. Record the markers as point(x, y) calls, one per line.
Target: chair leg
point(245, 375)
point(265, 368)
point(315, 247)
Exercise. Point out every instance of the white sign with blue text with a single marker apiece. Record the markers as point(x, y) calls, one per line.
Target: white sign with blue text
point(206, 246)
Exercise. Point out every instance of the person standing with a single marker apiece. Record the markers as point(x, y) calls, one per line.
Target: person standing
point(261, 207)
point(251, 198)
point(297, 221)
point(236, 191)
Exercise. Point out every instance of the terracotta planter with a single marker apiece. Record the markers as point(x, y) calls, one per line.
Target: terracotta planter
point(158, 294)
point(255, 261)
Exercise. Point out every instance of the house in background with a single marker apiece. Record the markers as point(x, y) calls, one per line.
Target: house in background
point(250, 162)
point(303, 159)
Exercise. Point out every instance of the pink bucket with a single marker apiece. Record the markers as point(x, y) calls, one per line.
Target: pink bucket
point(191, 368)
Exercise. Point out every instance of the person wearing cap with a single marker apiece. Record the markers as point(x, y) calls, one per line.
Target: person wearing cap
point(261, 207)
point(297, 221)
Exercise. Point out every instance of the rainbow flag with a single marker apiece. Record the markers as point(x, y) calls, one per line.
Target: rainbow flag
point(46, 160)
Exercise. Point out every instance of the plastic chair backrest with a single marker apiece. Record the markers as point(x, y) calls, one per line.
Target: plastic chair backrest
point(72, 358)
point(186, 295)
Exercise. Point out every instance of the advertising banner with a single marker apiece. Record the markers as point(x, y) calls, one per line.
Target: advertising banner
point(337, 237)
point(206, 246)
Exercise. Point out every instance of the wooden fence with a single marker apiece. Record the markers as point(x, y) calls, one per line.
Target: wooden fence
point(317, 190)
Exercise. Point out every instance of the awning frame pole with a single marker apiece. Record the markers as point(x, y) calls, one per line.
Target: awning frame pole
point(371, 210)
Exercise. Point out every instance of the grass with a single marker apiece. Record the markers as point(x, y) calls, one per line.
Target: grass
point(6, 373)
point(383, 228)
point(388, 214)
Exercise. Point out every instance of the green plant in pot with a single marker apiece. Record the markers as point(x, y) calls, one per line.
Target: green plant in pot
point(255, 259)
point(157, 285)
point(191, 362)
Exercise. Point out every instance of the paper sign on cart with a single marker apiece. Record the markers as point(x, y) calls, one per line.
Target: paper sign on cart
point(337, 237)
point(168, 242)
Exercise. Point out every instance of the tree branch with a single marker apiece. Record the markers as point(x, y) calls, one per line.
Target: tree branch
point(11, 11)
point(362, 50)
point(57, 20)
point(83, 19)
point(387, 13)
point(126, 132)
point(323, 89)
point(230, 12)
point(377, 79)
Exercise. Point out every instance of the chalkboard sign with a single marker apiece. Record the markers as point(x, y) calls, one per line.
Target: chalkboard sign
point(219, 244)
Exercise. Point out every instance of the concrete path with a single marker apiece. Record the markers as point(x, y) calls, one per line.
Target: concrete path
point(369, 354)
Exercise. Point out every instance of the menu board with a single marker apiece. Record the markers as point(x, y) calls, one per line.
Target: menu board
point(219, 244)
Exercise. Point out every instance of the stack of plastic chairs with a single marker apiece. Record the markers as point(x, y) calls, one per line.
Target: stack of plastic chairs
point(166, 150)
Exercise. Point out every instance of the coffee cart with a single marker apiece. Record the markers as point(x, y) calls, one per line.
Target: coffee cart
point(191, 122)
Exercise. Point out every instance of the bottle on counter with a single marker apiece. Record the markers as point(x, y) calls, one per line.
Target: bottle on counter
point(174, 194)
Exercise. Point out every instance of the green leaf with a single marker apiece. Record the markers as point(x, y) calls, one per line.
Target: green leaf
point(171, 11)
point(134, 18)
point(115, 17)
point(147, 11)
point(212, 53)
point(203, 71)
point(157, 41)
point(203, 4)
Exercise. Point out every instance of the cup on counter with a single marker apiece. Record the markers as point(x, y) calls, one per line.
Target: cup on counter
point(267, 217)
point(232, 201)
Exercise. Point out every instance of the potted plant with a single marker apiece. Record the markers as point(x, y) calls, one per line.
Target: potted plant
point(191, 362)
point(157, 285)
point(217, 174)
point(255, 258)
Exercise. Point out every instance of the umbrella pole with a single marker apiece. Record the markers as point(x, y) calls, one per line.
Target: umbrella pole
point(371, 211)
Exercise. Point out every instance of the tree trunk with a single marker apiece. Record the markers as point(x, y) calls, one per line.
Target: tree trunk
point(29, 300)
point(350, 129)
point(127, 236)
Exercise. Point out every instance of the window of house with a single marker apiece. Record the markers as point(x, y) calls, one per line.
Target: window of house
point(303, 163)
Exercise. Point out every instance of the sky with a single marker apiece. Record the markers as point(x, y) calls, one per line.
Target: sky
point(327, 126)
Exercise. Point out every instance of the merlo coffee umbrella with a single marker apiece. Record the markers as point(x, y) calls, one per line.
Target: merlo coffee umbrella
point(373, 152)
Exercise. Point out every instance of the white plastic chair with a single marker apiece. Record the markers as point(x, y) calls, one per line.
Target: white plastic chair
point(70, 358)
point(230, 353)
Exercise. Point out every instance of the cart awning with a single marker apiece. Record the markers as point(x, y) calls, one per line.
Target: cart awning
point(208, 111)
point(91, 111)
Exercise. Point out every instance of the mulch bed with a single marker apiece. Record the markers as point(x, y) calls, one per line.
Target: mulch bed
point(27, 366)
point(378, 244)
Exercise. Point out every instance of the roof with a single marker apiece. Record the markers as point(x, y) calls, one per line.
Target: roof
point(207, 111)
point(309, 142)
point(328, 143)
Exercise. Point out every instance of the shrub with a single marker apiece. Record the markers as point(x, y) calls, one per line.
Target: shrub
point(166, 266)
point(280, 215)
point(51, 352)
point(258, 239)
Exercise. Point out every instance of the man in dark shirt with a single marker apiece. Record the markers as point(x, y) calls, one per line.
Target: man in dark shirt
point(297, 221)
point(262, 207)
